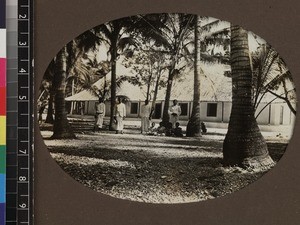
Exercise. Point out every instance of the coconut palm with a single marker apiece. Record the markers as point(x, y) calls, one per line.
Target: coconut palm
point(65, 61)
point(194, 126)
point(244, 144)
point(49, 90)
point(115, 35)
point(206, 33)
point(271, 76)
point(61, 128)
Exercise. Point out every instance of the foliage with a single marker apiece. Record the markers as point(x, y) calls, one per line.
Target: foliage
point(147, 66)
point(271, 75)
point(214, 40)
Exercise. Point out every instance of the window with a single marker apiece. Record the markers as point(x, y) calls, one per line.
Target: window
point(212, 109)
point(134, 108)
point(184, 109)
point(157, 111)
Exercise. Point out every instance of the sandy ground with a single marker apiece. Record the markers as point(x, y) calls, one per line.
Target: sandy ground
point(154, 169)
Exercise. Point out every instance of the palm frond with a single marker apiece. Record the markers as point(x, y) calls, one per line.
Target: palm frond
point(207, 27)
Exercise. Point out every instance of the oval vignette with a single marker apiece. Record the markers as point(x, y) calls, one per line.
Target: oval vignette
point(167, 108)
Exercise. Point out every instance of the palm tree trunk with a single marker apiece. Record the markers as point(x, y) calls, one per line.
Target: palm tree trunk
point(73, 93)
point(166, 117)
point(61, 128)
point(113, 82)
point(104, 88)
point(244, 144)
point(49, 118)
point(194, 124)
point(155, 92)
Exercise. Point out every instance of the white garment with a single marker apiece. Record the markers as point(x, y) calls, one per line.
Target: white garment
point(120, 110)
point(175, 109)
point(145, 110)
point(145, 124)
point(100, 113)
point(120, 113)
point(120, 125)
point(99, 120)
point(100, 108)
point(174, 118)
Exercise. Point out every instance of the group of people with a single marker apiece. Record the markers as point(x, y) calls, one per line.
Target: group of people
point(146, 113)
point(119, 115)
point(170, 129)
point(166, 130)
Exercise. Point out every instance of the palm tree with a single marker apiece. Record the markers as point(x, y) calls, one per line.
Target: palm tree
point(65, 62)
point(61, 128)
point(194, 126)
point(271, 75)
point(176, 46)
point(244, 144)
point(48, 77)
point(171, 31)
point(49, 117)
point(115, 35)
point(204, 35)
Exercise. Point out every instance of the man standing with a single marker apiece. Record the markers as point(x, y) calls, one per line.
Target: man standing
point(145, 115)
point(120, 114)
point(174, 113)
point(100, 113)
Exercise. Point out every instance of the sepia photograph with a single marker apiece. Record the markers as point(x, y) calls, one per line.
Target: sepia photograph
point(167, 108)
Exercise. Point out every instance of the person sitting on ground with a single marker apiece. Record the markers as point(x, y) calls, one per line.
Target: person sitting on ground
point(177, 130)
point(203, 128)
point(161, 129)
point(169, 130)
point(152, 130)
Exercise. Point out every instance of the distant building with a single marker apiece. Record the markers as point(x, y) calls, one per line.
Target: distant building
point(213, 108)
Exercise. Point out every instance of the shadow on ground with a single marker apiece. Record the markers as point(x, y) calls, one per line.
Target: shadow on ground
point(152, 169)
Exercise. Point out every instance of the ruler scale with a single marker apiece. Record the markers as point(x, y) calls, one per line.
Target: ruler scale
point(19, 133)
point(12, 110)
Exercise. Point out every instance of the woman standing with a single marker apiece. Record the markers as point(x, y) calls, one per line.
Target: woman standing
point(120, 114)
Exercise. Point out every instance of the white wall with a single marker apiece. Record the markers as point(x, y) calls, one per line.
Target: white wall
point(270, 115)
point(264, 115)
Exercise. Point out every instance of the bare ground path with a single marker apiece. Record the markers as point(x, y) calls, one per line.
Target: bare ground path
point(153, 169)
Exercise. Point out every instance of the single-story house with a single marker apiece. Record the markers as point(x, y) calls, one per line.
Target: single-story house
point(215, 103)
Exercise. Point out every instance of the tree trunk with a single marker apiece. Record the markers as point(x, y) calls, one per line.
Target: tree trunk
point(155, 92)
point(72, 103)
point(61, 128)
point(244, 144)
point(49, 118)
point(166, 117)
point(113, 82)
point(194, 124)
point(148, 88)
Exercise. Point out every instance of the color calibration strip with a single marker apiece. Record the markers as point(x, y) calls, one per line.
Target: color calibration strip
point(2, 111)
point(12, 110)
